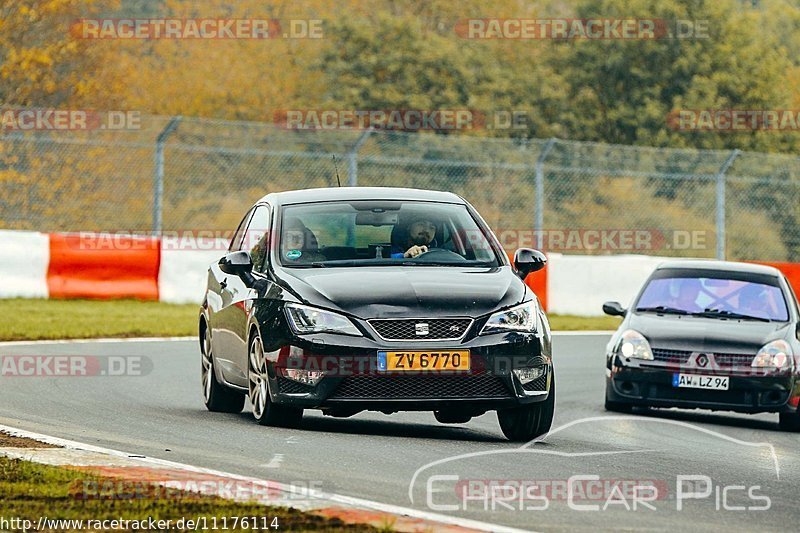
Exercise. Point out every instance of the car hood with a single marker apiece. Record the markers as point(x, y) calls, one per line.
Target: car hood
point(383, 292)
point(706, 334)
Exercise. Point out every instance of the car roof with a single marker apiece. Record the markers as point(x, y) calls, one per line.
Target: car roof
point(710, 264)
point(359, 193)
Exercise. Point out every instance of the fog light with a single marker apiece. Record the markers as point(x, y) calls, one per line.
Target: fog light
point(526, 375)
point(306, 377)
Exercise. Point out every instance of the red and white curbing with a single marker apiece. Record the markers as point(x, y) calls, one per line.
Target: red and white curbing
point(131, 467)
point(100, 266)
point(24, 258)
point(57, 265)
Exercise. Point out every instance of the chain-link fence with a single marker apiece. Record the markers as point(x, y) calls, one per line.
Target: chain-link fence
point(176, 174)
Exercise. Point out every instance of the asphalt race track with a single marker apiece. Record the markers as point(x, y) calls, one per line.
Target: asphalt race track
point(393, 458)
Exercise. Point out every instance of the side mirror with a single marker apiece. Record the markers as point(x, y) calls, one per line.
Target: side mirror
point(797, 331)
point(238, 264)
point(527, 260)
point(613, 309)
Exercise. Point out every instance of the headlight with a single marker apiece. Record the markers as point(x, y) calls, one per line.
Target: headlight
point(520, 318)
point(304, 319)
point(775, 354)
point(633, 344)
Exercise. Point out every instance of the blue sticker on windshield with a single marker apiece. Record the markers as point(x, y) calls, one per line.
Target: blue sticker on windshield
point(293, 254)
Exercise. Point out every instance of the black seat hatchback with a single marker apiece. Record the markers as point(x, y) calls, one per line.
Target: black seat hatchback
point(382, 299)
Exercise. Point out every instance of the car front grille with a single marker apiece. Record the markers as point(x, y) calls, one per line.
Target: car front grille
point(421, 329)
point(733, 359)
point(394, 387)
point(682, 357)
point(671, 356)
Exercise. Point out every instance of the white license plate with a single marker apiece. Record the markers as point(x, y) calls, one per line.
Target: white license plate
point(697, 381)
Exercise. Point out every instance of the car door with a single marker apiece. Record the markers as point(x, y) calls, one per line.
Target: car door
point(219, 298)
point(236, 300)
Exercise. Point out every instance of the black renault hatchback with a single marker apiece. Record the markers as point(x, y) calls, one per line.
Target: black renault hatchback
point(708, 334)
point(382, 299)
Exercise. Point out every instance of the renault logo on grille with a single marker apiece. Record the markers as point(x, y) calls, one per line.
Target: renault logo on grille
point(421, 328)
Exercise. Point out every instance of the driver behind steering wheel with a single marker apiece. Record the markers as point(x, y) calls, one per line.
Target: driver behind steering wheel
point(420, 234)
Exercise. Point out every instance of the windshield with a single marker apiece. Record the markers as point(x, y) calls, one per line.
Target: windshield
point(714, 296)
point(356, 233)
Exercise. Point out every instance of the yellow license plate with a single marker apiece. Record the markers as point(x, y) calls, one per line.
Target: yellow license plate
point(423, 360)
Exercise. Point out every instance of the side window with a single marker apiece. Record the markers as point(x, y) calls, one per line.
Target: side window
point(236, 242)
point(256, 239)
point(792, 294)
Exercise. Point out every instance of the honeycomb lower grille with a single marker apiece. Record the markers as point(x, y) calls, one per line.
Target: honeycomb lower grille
point(288, 386)
point(481, 385)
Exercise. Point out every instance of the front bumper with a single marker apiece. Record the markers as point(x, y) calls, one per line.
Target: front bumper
point(651, 384)
point(353, 384)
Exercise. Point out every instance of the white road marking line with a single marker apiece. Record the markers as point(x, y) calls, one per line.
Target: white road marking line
point(329, 498)
point(108, 339)
point(275, 462)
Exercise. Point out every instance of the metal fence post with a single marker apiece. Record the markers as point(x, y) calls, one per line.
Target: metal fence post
point(721, 204)
point(539, 224)
point(158, 177)
point(352, 162)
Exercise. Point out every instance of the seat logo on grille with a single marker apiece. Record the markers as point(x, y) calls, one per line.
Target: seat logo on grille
point(421, 328)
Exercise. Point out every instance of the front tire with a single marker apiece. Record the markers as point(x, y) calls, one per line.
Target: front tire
point(525, 423)
point(217, 397)
point(265, 411)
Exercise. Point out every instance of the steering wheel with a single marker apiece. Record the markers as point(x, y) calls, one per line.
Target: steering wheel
point(435, 255)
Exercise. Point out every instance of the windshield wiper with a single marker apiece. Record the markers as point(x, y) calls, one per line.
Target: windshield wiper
point(721, 313)
point(662, 309)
